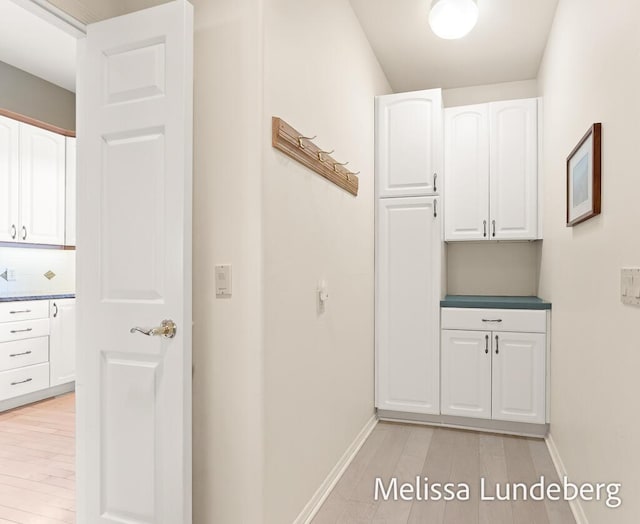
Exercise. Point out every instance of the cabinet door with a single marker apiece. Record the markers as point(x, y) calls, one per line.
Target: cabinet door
point(466, 161)
point(466, 373)
point(62, 346)
point(42, 191)
point(70, 192)
point(408, 143)
point(514, 170)
point(408, 255)
point(9, 179)
point(519, 373)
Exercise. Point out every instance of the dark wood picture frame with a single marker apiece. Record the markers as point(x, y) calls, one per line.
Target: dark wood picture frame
point(595, 135)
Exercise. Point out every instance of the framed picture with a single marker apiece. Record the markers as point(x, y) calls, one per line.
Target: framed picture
point(583, 178)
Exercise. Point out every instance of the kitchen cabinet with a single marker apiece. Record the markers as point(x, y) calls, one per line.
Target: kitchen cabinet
point(9, 180)
point(491, 372)
point(408, 283)
point(24, 348)
point(466, 373)
point(409, 143)
point(70, 194)
point(37, 171)
point(519, 370)
point(42, 186)
point(62, 359)
point(491, 163)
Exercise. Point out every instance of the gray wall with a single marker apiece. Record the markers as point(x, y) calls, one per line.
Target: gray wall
point(31, 96)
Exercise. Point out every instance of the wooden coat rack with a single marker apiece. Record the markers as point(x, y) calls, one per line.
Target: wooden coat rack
point(301, 148)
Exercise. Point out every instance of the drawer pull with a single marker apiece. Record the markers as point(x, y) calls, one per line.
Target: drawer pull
point(22, 381)
point(20, 354)
point(492, 320)
point(19, 311)
point(21, 330)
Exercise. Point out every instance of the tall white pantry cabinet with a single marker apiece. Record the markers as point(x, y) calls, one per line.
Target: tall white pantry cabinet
point(408, 251)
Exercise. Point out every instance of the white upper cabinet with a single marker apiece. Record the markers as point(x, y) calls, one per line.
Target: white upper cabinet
point(9, 179)
point(409, 143)
point(70, 204)
point(514, 170)
point(466, 160)
point(519, 371)
point(408, 254)
point(42, 189)
point(491, 162)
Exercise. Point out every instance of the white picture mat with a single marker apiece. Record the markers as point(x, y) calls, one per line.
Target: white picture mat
point(585, 207)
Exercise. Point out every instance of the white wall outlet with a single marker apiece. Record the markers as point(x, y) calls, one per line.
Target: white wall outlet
point(630, 285)
point(223, 281)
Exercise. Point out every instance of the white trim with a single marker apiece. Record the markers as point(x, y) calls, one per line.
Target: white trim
point(576, 504)
point(37, 396)
point(54, 16)
point(314, 505)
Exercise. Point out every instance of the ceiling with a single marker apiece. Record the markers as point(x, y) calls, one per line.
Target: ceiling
point(506, 45)
point(36, 46)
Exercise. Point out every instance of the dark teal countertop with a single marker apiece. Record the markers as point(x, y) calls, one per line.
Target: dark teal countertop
point(36, 297)
point(491, 302)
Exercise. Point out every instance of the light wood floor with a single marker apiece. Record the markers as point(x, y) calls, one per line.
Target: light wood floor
point(443, 455)
point(37, 470)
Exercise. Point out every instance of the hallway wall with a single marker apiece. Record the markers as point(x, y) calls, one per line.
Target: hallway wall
point(321, 76)
point(591, 73)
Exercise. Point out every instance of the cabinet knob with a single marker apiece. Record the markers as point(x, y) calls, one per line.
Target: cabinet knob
point(24, 233)
point(14, 231)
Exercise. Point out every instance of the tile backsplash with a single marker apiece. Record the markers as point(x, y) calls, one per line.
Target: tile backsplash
point(29, 266)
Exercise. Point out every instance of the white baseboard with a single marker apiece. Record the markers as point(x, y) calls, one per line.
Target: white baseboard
point(312, 507)
point(576, 504)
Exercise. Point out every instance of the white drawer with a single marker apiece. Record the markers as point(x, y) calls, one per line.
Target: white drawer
point(521, 320)
point(10, 331)
point(23, 353)
point(23, 380)
point(25, 310)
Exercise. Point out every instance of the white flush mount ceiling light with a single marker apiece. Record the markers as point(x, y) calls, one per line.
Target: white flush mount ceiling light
point(451, 19)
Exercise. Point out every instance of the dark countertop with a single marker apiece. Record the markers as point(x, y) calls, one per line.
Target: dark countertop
point(38, 297)
point(492, 302)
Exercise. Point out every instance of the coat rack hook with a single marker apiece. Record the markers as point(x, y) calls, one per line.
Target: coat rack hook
point(338, 164)
point(320, 153)
point(301, 138)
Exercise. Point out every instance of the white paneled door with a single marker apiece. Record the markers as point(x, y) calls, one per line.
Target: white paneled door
point(514, 169)
point(408, 143)
point(466, 373)
point(408, 255)
point(42, 186)
point(9, 179)
point(466, 160)
point(134, 268)
point(519, 373)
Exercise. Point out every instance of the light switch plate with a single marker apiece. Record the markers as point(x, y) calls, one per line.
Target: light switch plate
point(223, 281)
point(630, 285)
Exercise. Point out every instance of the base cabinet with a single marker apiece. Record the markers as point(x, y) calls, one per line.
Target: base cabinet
point(62, 358)
point(519, 370)
point(497, 374)
point(466, 374)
